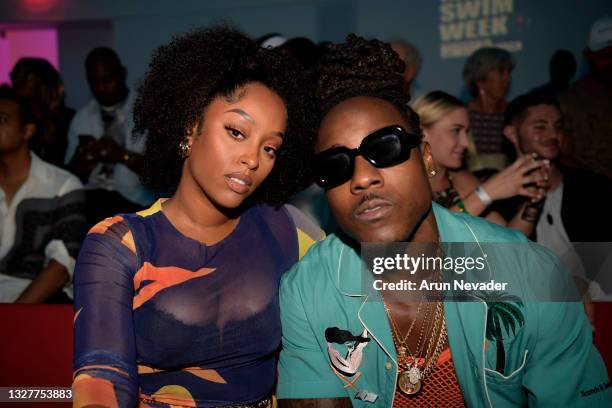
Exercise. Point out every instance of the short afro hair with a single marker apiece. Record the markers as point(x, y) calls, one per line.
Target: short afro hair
point(102, 54)
point(39, 67)
point(187, 74)
point(26, 114)
point(360, 67)
point(517, 108)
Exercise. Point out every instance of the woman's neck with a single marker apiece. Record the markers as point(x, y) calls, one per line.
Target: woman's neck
point(441, 180)
point(192, 212)
point(487, 104)
point(15, 165)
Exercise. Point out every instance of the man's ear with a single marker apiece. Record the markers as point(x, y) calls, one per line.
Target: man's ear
point(28, 131)
point(511, 134)
point(430, 164)
point(425, 134)
point(479, 87)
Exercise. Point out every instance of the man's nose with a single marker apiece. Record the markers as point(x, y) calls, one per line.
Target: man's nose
point(365, 176)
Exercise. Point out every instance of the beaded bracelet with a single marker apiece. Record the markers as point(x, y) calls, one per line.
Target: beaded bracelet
point(462, 207)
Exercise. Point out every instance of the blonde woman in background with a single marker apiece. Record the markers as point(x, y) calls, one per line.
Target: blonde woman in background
point(445, 125)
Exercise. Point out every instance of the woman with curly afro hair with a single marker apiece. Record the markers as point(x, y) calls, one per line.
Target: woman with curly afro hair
point(178, 305)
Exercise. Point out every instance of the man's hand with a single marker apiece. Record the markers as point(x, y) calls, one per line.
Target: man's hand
point(108, 150)
point(48, 282)
point(525, 172)
point(84, 159)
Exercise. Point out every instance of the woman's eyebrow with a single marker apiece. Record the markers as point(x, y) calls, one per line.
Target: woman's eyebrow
point(243, 114)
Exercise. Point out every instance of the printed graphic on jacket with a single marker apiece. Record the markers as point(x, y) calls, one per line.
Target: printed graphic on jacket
point(349, 364)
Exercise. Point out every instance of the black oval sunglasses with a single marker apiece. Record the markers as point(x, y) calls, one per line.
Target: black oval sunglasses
point(384, 147)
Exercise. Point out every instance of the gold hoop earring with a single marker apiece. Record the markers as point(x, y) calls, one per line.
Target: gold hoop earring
point(184, 148)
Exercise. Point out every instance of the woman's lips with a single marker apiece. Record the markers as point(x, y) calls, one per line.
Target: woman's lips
point(373, 210)
point(239, 183)
point(459, 154)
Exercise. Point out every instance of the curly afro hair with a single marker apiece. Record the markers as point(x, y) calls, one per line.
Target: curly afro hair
point(187, 74)
point(360, 67)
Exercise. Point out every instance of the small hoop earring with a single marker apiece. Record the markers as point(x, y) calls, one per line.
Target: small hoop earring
point(184, 148)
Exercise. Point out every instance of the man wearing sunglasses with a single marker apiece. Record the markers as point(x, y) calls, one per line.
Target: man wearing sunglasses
point(374, 168)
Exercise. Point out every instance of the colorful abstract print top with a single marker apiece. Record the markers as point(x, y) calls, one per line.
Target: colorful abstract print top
point(164, 320)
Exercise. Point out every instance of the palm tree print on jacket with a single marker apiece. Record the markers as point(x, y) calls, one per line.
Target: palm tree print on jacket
point(504, 311)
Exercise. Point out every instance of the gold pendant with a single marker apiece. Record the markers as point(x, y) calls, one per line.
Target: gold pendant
point(406, 385)
point(414, 374)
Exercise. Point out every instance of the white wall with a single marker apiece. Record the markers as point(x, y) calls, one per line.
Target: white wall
point(16, 43)
point(75, 40)
point(137, 36)
point(542, 26)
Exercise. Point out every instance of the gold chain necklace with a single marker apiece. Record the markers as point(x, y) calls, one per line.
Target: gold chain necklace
point(410, 381)
point(419, 347)
point(411, 376)
point(402, 347)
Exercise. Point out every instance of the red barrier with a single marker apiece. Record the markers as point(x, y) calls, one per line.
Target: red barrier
point(603, 332)
point(36, 345)
point(36, 348)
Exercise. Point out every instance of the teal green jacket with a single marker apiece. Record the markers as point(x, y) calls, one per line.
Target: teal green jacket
point(550, 360)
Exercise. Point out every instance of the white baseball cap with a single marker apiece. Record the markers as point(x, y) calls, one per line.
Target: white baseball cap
point(601, 34)
point(272, 41)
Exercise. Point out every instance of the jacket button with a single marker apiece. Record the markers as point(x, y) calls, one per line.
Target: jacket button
point(388, 366)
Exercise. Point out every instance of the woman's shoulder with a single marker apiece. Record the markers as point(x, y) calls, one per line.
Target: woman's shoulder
point(111, 237)
point(305, 228)
point(289, 214)
point(308, 231)
point(121, 226)
point(115, 226)
point(304, 222)
point(113, 229)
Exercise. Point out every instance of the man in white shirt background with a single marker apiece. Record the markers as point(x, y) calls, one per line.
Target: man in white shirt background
point(42, 222)
point(101, 149)
point(576, 208)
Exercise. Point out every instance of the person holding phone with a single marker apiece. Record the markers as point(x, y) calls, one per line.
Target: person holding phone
point(445, 126)
point(102, 150)
point(576, 208)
